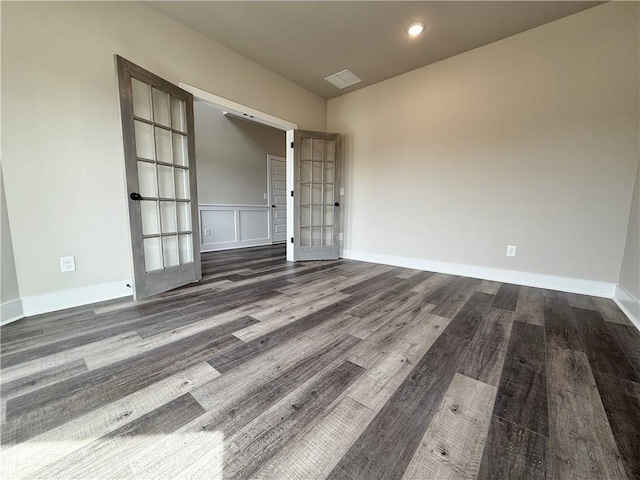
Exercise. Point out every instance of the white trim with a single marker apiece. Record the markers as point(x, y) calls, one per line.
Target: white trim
point(11, 311)
point(237, 108)
point(269, 200)
point(629, 305)
point(565, 284)
point(290, 203)
point(235, 246)
point(50, 302)
point(218, 247)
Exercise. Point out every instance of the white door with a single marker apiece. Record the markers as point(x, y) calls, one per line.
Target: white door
point(159, 151)
point(317, 160)
point(278, 188)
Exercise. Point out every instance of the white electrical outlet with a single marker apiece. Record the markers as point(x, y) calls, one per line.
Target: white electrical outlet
point(511, 250)
point(207, 232)
point(340, 236)
point(67, 264)
point(264, 196)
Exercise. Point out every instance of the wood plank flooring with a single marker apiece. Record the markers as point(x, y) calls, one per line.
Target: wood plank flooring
point(324, 370)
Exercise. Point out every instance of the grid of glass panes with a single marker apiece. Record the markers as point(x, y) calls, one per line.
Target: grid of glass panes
point(317, 191)
point(163, 174)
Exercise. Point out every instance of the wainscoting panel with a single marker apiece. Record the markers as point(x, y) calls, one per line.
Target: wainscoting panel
point(233, 226)
point(221, 224)
point(254, 225)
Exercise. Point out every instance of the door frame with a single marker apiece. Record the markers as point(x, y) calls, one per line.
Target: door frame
point(270, 158)
point(257, 116)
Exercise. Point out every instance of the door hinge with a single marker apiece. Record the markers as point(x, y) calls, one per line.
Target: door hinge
point(292, 193)
point(291, 239)
point(291, 144)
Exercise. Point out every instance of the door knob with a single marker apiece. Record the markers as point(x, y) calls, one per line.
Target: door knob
point(337, 204)
point(135, 196)
point(273, 206)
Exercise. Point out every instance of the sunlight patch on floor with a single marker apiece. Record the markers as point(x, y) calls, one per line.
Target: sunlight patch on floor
point(179, 455)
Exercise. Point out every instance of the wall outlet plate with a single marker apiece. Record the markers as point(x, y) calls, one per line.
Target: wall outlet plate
point(68, 264)
point(511, 250)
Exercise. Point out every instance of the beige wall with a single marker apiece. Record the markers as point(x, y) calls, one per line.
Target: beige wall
point(62, 149)
point(231, 157)
point(630, 271)
point(530, 141)
point(9, 286)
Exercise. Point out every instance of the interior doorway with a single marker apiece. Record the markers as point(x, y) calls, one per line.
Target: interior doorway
point(257, 116)
point(313, 182)
point(241, 180)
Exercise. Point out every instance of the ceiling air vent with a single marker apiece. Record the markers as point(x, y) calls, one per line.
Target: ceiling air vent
point(343, 79)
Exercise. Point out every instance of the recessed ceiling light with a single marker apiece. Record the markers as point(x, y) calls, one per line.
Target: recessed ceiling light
point(415, 29)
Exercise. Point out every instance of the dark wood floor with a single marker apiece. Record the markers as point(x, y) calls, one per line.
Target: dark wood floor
point(341, 370)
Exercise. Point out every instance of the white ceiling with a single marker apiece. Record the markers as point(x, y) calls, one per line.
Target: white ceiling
point(306, 41)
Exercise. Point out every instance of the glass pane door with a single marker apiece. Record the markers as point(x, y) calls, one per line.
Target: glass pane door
point(317, 204)
point(158, 134)
point(163, 175)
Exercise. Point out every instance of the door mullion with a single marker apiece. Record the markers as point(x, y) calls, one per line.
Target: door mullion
point(155, 159)
point(173, 178)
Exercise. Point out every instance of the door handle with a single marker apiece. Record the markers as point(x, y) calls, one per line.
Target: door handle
point(337, 204)
point(135, 196)
point(273, 206)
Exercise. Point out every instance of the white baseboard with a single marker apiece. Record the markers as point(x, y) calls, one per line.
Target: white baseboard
point(552, 282)
point(629, 304)
point(232, 245)
point(50, 302)
point(11, 311)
